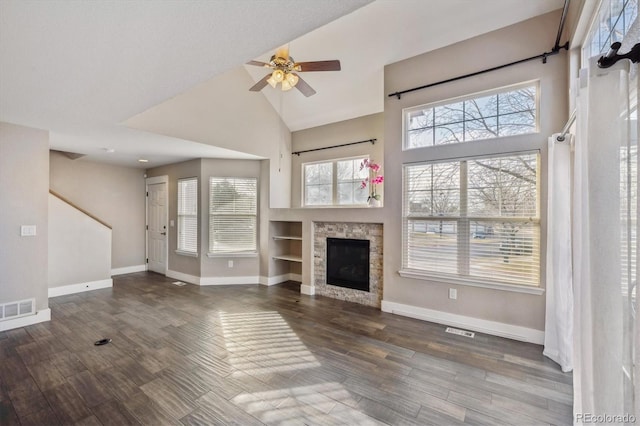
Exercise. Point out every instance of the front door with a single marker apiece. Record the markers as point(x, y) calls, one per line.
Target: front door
point(157, 227)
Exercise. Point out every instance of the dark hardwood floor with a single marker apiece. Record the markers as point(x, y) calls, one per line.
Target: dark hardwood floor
point(250, 355)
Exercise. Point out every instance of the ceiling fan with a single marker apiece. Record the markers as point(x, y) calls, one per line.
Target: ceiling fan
point(284, 72)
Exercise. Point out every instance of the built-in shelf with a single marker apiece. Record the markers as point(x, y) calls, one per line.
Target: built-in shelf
point(285, 248)
point(289, 257)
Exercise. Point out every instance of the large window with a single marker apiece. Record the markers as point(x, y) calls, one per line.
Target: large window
point(233, 209)
point(188, 215)
point(335, 182)
point(473, 218)
point(508, 112)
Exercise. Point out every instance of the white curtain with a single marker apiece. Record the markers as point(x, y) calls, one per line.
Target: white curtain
point(558, 333)
point(604, 223)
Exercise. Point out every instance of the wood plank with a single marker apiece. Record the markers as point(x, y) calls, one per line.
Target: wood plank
point(8, 416)
point(67, 403)
point(114, 413)
point(90, 389)
point(175, 404)
point(26, 398)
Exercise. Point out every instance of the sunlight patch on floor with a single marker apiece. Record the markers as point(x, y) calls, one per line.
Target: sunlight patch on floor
point(323, 403)
point(263, 343)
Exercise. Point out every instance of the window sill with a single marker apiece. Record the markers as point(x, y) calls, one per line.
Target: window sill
point(336, 206)
point(245, 254)
point(186, 253)
point(471, 282)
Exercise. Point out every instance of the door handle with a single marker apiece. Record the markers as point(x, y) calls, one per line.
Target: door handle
point(163, 233)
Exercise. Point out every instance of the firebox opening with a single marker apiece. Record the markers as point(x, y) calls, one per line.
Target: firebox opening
point(348, 263)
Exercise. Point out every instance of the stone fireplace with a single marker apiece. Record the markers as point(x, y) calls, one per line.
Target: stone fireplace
point(357, 233)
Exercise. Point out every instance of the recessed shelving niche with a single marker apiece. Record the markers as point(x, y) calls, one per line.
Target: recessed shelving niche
point(286, 248)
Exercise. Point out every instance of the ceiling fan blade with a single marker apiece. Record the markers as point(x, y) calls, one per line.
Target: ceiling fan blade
point(318, 66)
point(258, 64)
point(304, 87)
point(260, 85)
point(283, 52)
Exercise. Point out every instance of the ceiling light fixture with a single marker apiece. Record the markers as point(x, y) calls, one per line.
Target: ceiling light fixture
point(143, 160)
point(285, 69)
point(282, 74)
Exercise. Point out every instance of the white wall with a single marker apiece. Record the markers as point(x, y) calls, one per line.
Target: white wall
point(224, 113)
point(24, 188)
point(114, 194)
point(79, 246)
point(357, 129)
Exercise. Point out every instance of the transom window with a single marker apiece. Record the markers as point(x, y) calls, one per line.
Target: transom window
point(233, 210)
point(474, 218)
point(335, 182)
point(506, 112)
point(612, 23)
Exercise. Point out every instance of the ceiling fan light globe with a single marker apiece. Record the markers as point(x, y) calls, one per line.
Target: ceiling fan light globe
point(278, 75)
point(292, 79)
point(286, 85)
point(272, 82)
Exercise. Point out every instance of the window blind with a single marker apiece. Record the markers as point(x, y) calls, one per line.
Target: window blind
point(474, 218)
point(188, 215)
point(233, 207)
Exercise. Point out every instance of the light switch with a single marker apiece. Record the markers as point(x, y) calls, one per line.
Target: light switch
point(171, 223)
point(28, 231)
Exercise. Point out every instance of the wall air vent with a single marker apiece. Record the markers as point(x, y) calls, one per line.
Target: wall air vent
point(21, 308)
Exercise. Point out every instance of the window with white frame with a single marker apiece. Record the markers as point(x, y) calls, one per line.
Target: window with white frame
point(233, 211)
point(475, 218)
point(188, 215)
point(505, 112)
point(335, 182)
point(612, 22)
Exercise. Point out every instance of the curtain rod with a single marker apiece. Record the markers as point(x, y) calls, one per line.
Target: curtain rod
point(556, 49)
point(373, 142)
point(612, 56)
point(565, 129)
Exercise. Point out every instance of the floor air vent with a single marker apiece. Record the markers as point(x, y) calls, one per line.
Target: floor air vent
point(459, 332)
point(17, 309)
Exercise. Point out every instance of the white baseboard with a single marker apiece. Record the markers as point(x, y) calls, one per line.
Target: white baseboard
point(191, 279)
point(229, 280)
point(280, 279)
point(274, 280)
point(494, 328)
point(40, 316)
point(128, 269)
point(79, 288)
point(309, 290)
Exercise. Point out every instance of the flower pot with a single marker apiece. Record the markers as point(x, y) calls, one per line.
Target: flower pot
point(373, 202)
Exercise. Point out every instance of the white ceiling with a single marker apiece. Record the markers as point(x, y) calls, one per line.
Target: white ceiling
point(80, 69)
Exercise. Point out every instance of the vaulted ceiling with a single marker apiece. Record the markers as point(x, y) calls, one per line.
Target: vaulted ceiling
point(82, 69)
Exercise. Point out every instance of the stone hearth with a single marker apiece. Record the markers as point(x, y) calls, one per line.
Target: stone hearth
point(359, 231)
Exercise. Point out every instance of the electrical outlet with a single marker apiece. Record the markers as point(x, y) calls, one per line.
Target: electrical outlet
point(28, 231)
point(453, 293)
point(230, 264)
